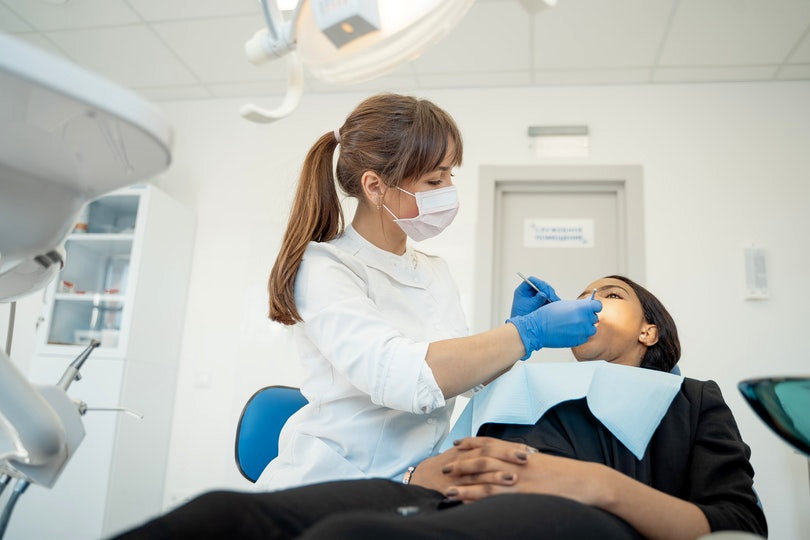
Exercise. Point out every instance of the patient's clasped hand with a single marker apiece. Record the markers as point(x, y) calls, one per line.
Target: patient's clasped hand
point(569, 471)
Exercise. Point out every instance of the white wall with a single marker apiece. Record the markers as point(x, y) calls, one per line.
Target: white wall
point(725, 166)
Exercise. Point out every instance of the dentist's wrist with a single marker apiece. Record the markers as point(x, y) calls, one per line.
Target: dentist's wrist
point(519, 322)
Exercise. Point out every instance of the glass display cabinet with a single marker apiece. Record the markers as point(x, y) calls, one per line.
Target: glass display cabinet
point(89, 299)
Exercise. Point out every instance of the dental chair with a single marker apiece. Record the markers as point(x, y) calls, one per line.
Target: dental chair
point(259, 426)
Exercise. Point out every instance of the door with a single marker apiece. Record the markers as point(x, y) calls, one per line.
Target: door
point(565, 225)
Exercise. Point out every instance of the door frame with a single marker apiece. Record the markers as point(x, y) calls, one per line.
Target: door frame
point(623, 180)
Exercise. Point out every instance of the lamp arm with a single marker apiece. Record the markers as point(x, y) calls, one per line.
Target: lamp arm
point(295, 87)
point(271, 15)
point(278, 39)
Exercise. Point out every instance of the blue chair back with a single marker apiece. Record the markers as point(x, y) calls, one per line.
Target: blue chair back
point(259, 426)
point(675, 370)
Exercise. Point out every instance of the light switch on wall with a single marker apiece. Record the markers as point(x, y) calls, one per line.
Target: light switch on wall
point(756, 274)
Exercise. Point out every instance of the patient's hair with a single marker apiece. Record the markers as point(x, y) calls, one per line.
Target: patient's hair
point(667, 351)
point(399, 138)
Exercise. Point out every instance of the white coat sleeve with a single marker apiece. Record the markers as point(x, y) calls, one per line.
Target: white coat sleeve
point(346, 326)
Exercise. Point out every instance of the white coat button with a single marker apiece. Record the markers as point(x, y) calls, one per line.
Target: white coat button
point(430, 420)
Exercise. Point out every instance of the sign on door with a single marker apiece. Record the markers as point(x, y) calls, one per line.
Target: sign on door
point(558, 233)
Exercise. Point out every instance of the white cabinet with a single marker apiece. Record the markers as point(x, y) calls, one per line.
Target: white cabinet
point(124, 283)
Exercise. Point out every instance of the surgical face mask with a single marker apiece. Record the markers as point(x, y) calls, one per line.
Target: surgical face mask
point(437, 208)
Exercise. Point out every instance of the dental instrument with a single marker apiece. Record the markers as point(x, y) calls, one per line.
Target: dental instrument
point(593, 293)
point(524, 278)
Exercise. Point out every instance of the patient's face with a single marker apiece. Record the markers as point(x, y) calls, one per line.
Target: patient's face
point(620, 325)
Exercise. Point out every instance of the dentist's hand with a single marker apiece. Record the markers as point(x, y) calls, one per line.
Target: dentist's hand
point(566, 323)
point(526, 299)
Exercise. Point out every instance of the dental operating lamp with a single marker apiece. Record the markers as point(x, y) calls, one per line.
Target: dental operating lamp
point(67, 137)
point(346, 41)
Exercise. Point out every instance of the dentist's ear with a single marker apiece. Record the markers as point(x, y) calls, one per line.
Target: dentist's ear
point(373, 187)
point(648, 335)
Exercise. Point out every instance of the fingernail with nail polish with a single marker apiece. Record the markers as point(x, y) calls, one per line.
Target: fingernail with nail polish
point(446, 469)
point(452, 492)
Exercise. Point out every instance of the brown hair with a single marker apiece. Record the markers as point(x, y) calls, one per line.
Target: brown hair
point(397, 137)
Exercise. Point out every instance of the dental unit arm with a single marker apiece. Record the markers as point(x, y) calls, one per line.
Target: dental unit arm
point(67, 137)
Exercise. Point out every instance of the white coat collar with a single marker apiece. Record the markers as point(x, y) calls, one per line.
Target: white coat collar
point(412, 268)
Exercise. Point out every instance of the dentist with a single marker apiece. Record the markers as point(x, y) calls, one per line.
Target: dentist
point(378, 324)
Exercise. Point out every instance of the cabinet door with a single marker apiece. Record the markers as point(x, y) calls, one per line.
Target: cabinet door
point(92, 295)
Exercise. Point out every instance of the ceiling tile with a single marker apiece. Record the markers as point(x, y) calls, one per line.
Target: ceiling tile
point(214, 49)
point(398, 83)
point(599, 34)
point(593, 76)
point(162, 10)
point(9, 22)
point(490, 79)
point(794, 72)
point(802, 54)
point(129, 55)
point(714, 74)
point(41, 42)
point(174, 93)
point(754, 32)
point(73, 14)
point(251, 89)
point(491, 36)
point(402, 77)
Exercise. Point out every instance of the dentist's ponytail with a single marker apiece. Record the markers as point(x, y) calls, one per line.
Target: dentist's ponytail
point(396, 137)
point(316, 216)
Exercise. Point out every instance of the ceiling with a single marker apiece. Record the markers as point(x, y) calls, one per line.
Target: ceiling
point(192, 49)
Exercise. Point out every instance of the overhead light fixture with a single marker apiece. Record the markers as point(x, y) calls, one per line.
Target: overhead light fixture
point(560, 141)
point(287, 5)
point(534, 6)
point(345, 41)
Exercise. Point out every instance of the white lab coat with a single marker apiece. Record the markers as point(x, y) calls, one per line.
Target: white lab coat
point(374, 406)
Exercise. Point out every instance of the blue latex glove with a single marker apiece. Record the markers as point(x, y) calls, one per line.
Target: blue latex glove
point(526, 299)
point(566, 323)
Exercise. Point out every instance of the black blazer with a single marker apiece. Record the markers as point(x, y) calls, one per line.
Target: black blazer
point(696, 454)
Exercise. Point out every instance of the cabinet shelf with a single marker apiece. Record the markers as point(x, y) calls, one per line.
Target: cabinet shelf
point(95, 298)
point(107, 244)
point(99, 237)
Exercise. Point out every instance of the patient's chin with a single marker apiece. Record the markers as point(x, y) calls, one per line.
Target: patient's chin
point(590, 350)
point(582, 353)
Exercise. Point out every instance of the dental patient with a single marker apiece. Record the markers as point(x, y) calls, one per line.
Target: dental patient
point(659, 457)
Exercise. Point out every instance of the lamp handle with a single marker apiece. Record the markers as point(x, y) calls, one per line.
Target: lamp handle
point(295, 87)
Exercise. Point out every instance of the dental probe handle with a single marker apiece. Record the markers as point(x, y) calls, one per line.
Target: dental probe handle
point(532, 285)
